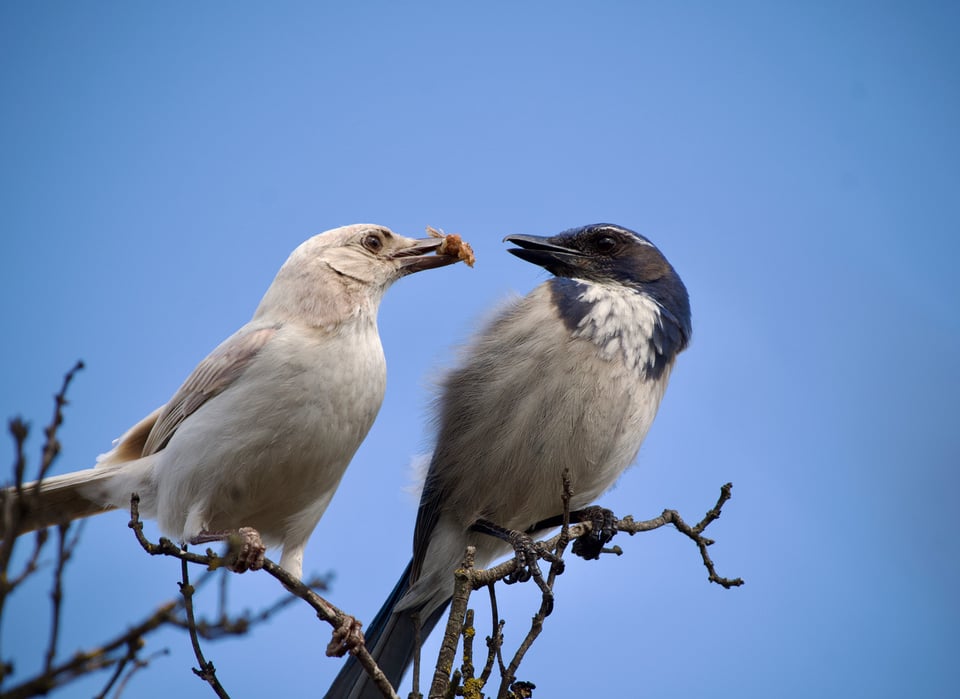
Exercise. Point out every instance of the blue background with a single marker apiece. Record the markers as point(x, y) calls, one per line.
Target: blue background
point(796, 162)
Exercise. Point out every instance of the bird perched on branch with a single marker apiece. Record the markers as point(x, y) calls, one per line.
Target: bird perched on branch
point(257, 438)
point(569, 377)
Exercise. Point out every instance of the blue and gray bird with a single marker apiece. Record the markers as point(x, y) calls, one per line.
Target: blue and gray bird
point(568, 377)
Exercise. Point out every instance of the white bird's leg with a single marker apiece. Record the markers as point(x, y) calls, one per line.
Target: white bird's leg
point(292, 559)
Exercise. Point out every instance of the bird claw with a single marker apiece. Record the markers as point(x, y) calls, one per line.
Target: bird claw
point(249, 550)
point(522, 689)
point(526, 553)
point(526, 550)
point(346, 638)
point(245, 547)
point(589, 546)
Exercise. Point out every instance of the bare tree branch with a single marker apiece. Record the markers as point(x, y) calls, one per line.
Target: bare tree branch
point(695, 533)
point(495, 640)
point(206, 671)
point(347, 636)
point(51, 447)
point(131, 655)
point(468, 579)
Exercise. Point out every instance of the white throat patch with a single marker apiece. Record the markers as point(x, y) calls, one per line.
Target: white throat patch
point(620, 320)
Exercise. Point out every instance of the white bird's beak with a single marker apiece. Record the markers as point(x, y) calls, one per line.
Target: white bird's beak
point(419, 256)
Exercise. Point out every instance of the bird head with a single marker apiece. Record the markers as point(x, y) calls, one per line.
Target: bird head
point(346, 268)
point(609, 254)
point(373, 254)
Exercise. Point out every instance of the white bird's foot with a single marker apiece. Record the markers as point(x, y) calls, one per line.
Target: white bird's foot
point(250, 552)
point(346, 639)
point(245, 547)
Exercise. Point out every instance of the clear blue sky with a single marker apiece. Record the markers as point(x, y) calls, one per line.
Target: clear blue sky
point(799, 163)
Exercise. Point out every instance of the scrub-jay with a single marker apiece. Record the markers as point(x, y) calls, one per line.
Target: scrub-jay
point(569, 377)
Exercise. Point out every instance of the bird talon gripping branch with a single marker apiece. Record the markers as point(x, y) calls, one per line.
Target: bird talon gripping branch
point(250, 552)
point(245, 547)
point(346, 638)
point(525, 551)
point(603, 523)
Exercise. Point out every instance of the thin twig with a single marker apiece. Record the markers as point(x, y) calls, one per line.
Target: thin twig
point(695, 533)
point(453, 688)
point(11, 511)
point(557, 548)
point(30, 566)
point(51, 446)
point(138, 664)
point(132, 649)
point(494, 641)
point(56, 596)
point(20, 430)
point(206, 671)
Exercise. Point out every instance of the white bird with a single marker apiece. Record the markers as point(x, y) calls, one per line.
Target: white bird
point(261, 432)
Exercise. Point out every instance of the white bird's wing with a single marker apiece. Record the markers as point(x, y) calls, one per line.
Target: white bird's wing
point(212, 376)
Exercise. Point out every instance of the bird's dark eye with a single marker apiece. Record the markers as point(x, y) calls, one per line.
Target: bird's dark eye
point(606, 243)
point(373, 243)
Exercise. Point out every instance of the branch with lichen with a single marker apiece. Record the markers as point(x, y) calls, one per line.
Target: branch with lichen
point(449, 681)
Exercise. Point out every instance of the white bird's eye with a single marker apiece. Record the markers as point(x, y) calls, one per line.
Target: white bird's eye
point(373, 243)
point(606, 243)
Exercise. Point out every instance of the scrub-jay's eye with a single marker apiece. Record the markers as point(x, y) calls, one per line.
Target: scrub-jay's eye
point(606, 243)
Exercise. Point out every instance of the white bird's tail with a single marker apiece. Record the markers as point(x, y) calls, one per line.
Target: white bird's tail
point(55, 500)
point(59, 499)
